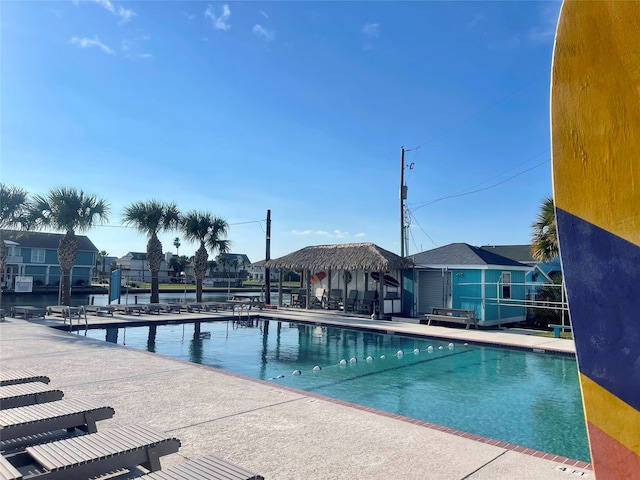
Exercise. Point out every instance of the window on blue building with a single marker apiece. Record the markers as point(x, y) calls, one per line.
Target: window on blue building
point(506, 284)
point(37, 255)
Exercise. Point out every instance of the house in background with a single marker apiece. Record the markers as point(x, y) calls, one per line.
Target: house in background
point(541, 274)
point(135, 268)
point(257, 272)
point(35, 254)
point(230, 270)
point(470, 278)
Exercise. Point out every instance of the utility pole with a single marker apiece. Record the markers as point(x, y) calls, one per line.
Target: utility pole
point(267, 257)
point(404, 228)
point(403, 197)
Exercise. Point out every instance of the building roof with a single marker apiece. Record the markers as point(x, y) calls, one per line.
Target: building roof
point(349, 256)
point(240, 257)
point(136, 255)
point(463, 254)
point(519, 253)
point(30, 239)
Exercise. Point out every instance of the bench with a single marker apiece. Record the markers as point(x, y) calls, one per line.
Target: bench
point(91, 455)
point(204, 468)
point(558, 328)
point(171, 307)
point(12, 377)
point(100, 310)
point(155, 308)
point(21, 394)
point(21, 426)
point(452, 315)
point(129, 309)
point(28, 312)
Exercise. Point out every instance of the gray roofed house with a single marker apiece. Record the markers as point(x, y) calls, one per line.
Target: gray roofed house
point(519, 253)
point(462, 276)
point(462, 254)
point(34, 255)
point(29, 239)
point(135, 267)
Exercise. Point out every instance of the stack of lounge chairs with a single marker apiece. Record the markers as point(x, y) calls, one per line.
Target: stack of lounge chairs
point(43, 435)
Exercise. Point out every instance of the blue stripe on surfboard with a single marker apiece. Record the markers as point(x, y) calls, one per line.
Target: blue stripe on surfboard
point(602, 275)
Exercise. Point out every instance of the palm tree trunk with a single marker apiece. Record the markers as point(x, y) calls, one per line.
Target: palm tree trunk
point(3, 260)
point(67, 251)
point(154, 257)
point(200, 269)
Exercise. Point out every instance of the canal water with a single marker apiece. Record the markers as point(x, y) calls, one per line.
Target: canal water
point(44, 300)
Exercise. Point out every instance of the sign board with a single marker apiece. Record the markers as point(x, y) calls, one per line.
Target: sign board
point(24, 284)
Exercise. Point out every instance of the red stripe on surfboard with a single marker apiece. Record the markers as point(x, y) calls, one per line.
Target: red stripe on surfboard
point(611, 459)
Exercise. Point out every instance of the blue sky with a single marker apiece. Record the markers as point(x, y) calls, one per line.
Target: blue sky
point(298, 107)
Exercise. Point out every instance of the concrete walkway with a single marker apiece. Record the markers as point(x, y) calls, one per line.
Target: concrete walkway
point(278, 432)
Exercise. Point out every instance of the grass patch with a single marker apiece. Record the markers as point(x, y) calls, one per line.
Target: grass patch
point(566, 335)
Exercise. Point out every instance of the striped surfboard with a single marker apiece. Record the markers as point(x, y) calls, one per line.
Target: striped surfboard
point(595, 127)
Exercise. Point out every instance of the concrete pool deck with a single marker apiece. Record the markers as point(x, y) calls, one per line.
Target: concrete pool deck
point(277, 432)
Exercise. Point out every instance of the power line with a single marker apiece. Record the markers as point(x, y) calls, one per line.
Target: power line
point(480, 189)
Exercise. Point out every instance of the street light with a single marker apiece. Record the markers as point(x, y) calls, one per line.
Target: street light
point(184, 280)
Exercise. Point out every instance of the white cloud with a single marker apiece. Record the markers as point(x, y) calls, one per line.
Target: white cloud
point(189, 16)
point(219, 22)
point(264, 14)
point(260, 31)
point(371, 29)
point(125, 14)
point(95, 42)
point(324, 233)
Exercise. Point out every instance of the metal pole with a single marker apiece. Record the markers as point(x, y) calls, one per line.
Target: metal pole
point(267, 271)
point(402, 197)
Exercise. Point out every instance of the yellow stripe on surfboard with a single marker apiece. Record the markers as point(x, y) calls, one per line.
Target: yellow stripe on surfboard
point(608, 98)
point(610, 414)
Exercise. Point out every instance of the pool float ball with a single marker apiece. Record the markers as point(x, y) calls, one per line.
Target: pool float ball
point(343, 362)
point(296, 372)
point(440, 347)
point(451, 346)
point(416, 351)
point(280, 376)
point(317, 368)
point(400, 353)
point(430, 349)
point(382, 357)
point(353, 360)
point(369, 358)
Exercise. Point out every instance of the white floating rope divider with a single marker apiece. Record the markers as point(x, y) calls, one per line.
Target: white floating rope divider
point(370, 358)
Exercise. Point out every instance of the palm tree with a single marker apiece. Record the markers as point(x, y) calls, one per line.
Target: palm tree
point(102, 258)
point(151, 218)
point(206, 229)
point(70, 210)
point(176, 243)
point(544, 237)
point(13, 201)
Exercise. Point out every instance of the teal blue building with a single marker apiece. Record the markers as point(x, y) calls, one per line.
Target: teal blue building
point(35, 255)
point(471, 278)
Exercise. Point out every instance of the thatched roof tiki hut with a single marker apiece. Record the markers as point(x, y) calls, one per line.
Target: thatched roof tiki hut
point(352, 266)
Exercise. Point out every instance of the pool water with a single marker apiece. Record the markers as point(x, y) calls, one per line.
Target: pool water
point(528, 399)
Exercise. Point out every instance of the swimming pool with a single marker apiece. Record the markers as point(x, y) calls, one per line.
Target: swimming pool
point(523, 398)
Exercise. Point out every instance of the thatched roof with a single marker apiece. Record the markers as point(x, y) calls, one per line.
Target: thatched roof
point(350, 256)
